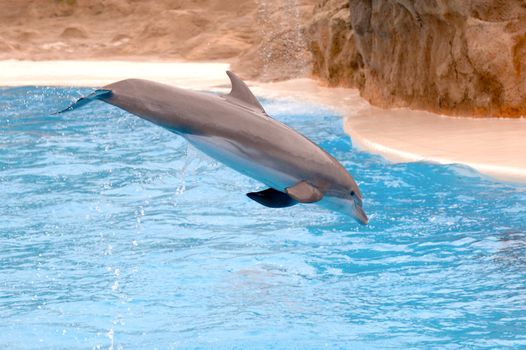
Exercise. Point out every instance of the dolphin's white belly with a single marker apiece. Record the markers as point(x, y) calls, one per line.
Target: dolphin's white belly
point(250, 162)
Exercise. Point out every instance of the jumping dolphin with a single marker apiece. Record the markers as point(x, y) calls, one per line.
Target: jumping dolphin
point(236, 130)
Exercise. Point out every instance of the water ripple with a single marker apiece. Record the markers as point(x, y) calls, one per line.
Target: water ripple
point(116, 234)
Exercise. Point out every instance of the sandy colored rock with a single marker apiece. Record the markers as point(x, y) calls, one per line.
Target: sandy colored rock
point(335, 56)
point(5, 46)
point(72, 33)
point(452, 57)
point(262, 39)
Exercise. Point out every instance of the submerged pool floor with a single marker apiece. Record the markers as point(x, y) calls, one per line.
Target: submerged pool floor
point(116, 234)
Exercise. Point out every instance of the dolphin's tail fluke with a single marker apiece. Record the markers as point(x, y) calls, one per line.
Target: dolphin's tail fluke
point(95, 95)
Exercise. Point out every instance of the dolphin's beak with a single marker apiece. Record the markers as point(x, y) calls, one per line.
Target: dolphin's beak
point(360, 215)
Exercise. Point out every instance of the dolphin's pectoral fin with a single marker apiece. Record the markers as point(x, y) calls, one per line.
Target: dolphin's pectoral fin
point(304, 192)
point(95, 95)
point(272, 198)
point(241, 94)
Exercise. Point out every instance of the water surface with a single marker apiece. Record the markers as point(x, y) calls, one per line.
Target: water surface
point(116, 234)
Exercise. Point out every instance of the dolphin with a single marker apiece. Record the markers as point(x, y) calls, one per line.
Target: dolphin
point(236, 130)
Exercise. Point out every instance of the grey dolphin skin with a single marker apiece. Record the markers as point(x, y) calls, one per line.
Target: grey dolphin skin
point(236, 130)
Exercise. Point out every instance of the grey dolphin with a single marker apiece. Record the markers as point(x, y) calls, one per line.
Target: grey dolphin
point(236, 130)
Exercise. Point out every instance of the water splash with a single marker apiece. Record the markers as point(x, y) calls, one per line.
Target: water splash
point(283, 50)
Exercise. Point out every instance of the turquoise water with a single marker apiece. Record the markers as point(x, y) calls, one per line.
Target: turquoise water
point(115, 234)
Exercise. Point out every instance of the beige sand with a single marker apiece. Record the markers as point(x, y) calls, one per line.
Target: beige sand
point(99, 73)
point(492, 146)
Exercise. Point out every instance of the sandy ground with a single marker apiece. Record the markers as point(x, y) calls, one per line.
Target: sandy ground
point(492, 146)
point(198, 75)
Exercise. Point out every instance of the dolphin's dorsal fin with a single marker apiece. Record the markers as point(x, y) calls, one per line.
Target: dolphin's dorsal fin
point(304, 192)
point(241, 94)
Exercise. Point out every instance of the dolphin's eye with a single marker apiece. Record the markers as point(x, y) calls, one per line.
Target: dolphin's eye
point(352, 193)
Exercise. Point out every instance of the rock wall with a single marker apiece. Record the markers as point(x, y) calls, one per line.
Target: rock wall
point(464, 57)
point(147, 29)
point(263, 39)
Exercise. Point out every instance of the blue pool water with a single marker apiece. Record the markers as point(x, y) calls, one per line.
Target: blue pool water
point(115, 234)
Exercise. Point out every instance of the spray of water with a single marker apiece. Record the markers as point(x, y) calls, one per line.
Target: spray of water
point(283, 49)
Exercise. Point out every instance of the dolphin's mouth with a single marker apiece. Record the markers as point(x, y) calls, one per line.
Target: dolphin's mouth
point(360, 215)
